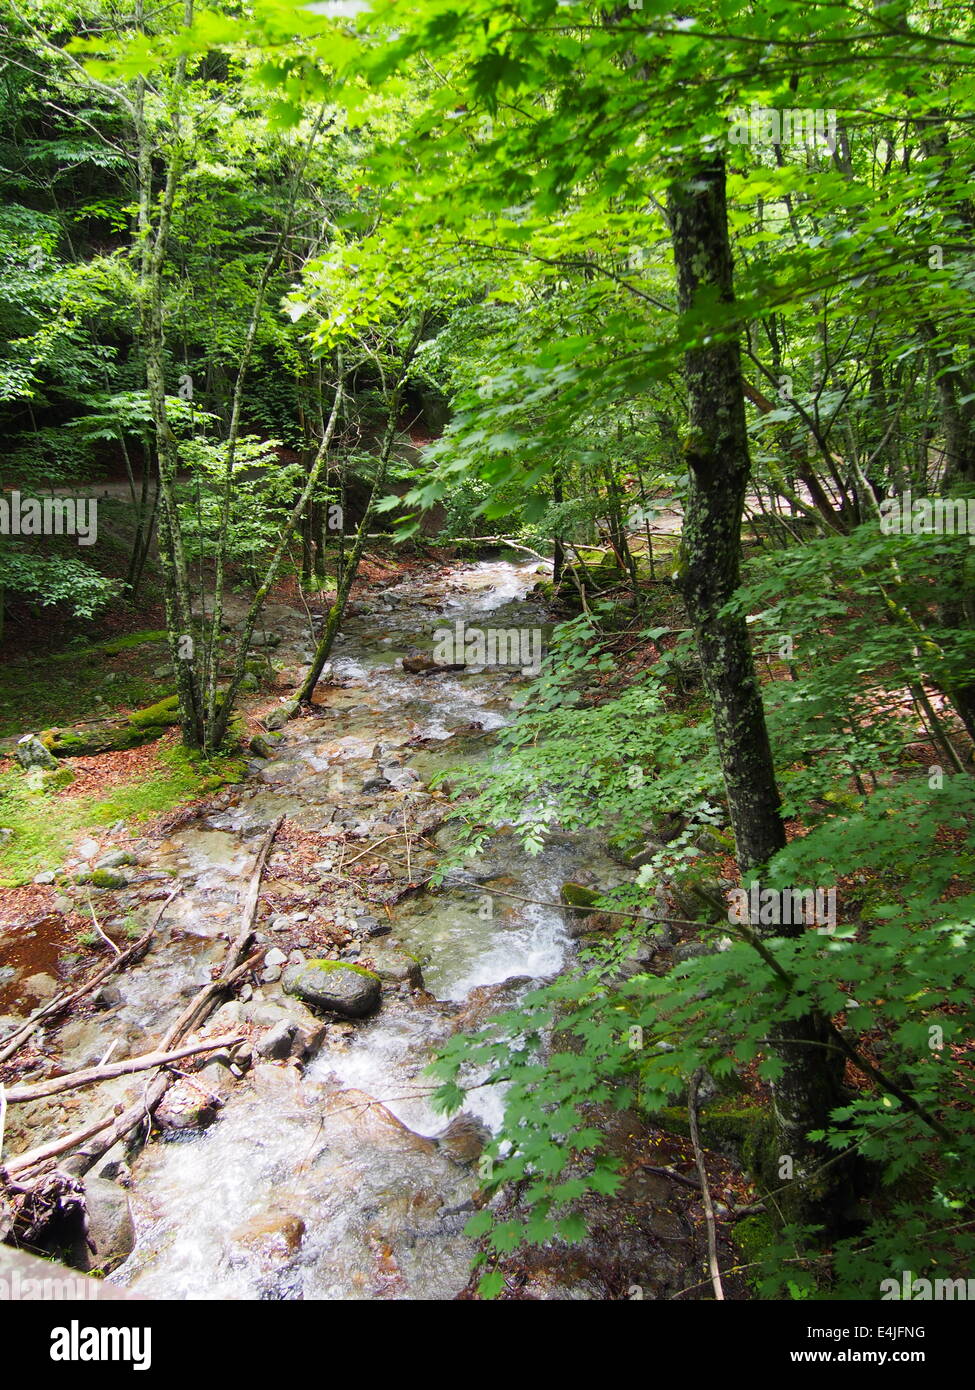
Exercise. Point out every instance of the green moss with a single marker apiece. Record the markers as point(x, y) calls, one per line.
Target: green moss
point(160, 715)
point(41, 840)
point(756, 1238)
point(575, 895)
point(726, 1129)
point(102, 878)
point(340, 965)
point(57, 779)
point(625, 848)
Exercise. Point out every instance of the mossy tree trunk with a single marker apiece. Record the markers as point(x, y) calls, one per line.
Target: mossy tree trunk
point(718, 466)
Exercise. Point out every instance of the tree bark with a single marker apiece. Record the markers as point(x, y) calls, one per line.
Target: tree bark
point(718, 466)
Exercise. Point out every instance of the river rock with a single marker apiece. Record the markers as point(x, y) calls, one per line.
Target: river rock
point(348, 990)
point(41, 986)
point(305, 1029)
point(401, 778)
point(110, 1224)
point(395, 967)
point(102, 878)
point(419, 663)
point(264, 745)
point(280, 716)
point(272, 1236)
point(275, 957)
point(115, 859)
point(277, 1042)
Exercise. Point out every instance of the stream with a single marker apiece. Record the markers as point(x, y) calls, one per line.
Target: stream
point(337, 1179)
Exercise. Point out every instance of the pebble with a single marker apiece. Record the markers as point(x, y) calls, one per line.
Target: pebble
point(275, 957)
point(48, 876)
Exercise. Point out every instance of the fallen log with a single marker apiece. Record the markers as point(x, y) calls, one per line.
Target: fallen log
point(87, 1076)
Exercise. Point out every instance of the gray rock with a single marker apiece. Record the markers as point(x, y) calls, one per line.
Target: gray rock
point(277, 1042)
point(271, 974)
point(402, 778)
point(48, 876)
point(343, 989)
point(41, 986)
point(110, 1224)
point(275, 956)
point(31, 752)
point(115, 859)
point(280, 716)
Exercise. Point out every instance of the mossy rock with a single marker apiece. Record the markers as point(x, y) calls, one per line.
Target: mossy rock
point(732, 1131)
point(264, 745)
point(339, 987)
point(632, 851)
point(54, 781)
point(700, 898)
point(102, 878)
point(582, 899)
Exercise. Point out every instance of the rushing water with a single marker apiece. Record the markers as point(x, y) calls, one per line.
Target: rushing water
point(334, 1183)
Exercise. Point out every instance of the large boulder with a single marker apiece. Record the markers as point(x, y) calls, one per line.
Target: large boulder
point(348, 990)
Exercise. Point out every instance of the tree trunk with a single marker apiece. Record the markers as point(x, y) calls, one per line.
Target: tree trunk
point(718, 465)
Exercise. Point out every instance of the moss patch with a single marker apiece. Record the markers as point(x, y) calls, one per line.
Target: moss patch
point(333, 965)
point(160, 715)
point(756, 1237)
point(733, 1131)
point(575, 895)
point(41, 839)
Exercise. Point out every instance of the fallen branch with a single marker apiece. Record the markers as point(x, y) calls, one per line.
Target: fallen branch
point(237, 950)
point(54, 1085)
point(237, 965)
point(692, 1109)
point(57, 1146)
point(107, 939)
point(16, 1040)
